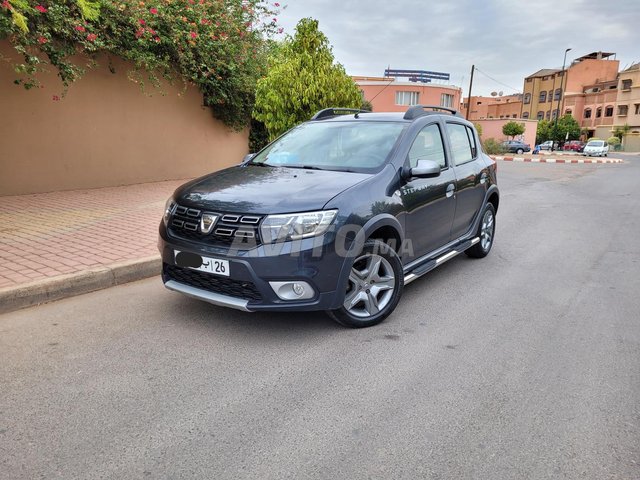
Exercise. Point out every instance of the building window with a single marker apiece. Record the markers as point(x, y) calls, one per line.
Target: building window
point(529, 80)
point(540, 115)
point(626, 84)
point(587, 113)
point(446, 100)
point(543, 97)
point(598, 112)
point(558, 94)
point(546, 77)
point(527, 98)
point(525, 115)
point(550, 95)
point(407, 98)
point(567, 112)
point(637, 108)
point(514, 116)
point(555, 114)
point(623, 110)
point(608, 112)
point(548, 114)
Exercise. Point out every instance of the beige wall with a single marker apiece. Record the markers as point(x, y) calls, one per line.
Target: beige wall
point(105, 132)
point(492, 128)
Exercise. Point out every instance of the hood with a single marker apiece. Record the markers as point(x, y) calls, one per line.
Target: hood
point(265, 190)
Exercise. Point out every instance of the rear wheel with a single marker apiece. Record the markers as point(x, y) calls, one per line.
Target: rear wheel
point(486, 232)
point(520, 151)
point(373, 289)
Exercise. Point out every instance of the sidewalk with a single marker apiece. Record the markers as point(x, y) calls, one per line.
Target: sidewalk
point(64, 243)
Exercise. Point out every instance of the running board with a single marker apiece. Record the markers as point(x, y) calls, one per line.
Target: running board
point(431, 264)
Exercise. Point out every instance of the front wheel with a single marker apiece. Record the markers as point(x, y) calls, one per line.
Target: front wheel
point(373, 289)
point(520, 151)
point(486, 232)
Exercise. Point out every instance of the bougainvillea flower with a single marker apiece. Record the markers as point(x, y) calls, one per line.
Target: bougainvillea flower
point(41, 9)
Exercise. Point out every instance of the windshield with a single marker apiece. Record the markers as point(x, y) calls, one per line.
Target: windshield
point(595, 143)
point(344, 146)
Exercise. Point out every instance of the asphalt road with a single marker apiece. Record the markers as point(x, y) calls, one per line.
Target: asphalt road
point(524, 365)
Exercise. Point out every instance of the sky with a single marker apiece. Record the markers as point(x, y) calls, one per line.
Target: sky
point(506, 40)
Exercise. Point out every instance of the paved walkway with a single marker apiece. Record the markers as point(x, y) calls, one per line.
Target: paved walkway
point(52, 234)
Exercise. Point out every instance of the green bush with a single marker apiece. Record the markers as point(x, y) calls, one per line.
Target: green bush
point(216, 45)
point(492, 147)
point(613, 141)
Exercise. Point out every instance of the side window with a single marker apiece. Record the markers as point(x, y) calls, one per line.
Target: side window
point(460, 145)
point(428, 146)
point(472, 142)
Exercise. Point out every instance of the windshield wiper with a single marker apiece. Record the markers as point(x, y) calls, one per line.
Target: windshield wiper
point(306, 167)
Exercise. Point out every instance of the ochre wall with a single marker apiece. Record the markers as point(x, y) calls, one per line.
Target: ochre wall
point(105, 132)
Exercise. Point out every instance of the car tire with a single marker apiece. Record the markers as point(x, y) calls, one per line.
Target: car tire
point(519, 151)
point(373, 289)
point(486, 232)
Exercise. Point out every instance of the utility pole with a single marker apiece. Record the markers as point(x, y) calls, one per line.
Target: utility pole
point(473, 67)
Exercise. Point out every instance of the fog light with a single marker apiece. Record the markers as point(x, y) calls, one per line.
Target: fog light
point(298, 289)
point(293, 290)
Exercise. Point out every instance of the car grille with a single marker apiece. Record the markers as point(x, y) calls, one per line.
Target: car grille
point(230, 228)
point(225, 286)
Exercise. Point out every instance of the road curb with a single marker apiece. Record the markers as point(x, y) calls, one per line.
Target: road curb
point(63, 286)
point(557, 160)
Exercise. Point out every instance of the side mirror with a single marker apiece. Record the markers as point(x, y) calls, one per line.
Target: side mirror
point(424, 169)
point(248, 157)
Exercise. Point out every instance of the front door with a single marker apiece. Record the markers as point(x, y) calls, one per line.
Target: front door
point(429, 202)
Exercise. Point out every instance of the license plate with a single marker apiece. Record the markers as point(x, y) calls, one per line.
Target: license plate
point(203, 264)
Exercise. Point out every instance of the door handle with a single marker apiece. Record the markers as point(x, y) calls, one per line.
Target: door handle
point(483, 178)
point(451, 188)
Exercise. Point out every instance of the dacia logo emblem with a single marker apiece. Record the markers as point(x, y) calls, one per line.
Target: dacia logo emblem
point(207, 222)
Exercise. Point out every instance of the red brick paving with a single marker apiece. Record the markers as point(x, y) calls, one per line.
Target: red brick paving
point(49, 234)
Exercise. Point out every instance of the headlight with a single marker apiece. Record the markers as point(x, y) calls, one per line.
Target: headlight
point(294, 226)
point(168, 210)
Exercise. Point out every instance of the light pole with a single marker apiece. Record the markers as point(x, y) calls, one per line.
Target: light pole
point(562, 81)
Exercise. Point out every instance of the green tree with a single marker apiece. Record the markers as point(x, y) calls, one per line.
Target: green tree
point(512, 129)
point(543, 133)
point(478, 129)
point(302, 79)
point(567, 129)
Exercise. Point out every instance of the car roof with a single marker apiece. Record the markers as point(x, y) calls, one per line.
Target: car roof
point(413, 113)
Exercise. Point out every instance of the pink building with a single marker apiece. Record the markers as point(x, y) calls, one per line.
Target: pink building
point(390, 95)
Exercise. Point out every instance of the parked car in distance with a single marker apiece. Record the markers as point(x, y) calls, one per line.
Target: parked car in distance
point(515, 146)
point(548, 145)
point(338, 214)
point(596, 148)
point(574, 145)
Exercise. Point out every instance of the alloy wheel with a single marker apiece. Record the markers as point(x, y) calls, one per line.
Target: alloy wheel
point(486, 231)
point(371, 286)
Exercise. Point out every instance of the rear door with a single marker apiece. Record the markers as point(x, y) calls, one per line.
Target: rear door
point(470, 174)
point(429, 202)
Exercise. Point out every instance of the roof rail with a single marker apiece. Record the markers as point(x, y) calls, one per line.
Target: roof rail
point(333, 112)
point(419, 110)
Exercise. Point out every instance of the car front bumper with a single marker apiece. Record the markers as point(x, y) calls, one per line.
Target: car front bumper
point(313, 261)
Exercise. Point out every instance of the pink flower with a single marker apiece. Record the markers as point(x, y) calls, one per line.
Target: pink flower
point(41, 9)
point(157, 39)
point(55, 98)
point(92, 37)
point(80, 28)
point(280, 30)
point(42, 40)
point(276, 4)
point(6, 4)
point(153, 11)
point(193, 34)
point(275, 20)
point(141, 22)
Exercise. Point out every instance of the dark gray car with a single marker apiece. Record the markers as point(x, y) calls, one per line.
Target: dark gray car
point(338, 214)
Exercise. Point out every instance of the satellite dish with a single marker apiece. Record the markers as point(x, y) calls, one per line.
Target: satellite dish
point(500, 93)
point(493, 94)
